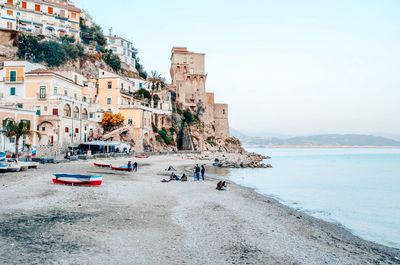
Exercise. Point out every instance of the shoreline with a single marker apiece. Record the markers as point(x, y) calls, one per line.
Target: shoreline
point(343, 230)
point(133, 218)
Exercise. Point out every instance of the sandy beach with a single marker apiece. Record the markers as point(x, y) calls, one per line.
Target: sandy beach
point(133, 218)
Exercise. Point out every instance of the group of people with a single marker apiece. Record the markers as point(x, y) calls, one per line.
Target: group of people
point(132, 167)
point(197, 171)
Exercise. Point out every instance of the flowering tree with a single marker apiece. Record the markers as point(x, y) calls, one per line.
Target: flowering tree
point(112, 121)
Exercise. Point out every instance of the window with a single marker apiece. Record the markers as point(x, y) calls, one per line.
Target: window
point(75, 78)
point(38, 112)
point(75, 96)
point(66, 93)
point(76, 130)
point(50, 10)
point(109, 85)
point(12, 140)
point(20, 106)
point(9, 25)
point(223, 111)
point(10, 2)
point(140, 85)
point(55, 91)
point(55, 112)
point(91, 115)
point(37, 8)
point(42, 92)
point(24, 5)
point(13, 76)
point(122, 85)
point(73, 15)
point(45, 108)
point(67, 111)
point(62, 13)
point(66, 129)
point(12, 91)
point(130, 121)
point(10, 12)
point(43, 129)
point(109, 101)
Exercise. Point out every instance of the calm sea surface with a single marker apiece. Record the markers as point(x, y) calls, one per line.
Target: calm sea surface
point(357, 188)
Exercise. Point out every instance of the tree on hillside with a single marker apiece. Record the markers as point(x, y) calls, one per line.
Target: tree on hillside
point(18, 129)
point(54, 53)
point(157, 83)
point(112, 60)
point(112, 121)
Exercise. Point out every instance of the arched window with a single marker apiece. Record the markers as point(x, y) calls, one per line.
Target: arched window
point(67, 110)
point(76, 113)
point(84, 114)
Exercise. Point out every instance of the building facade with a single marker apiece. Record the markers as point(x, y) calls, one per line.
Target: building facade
point(64, 102)
point(124, 49)
point(52, 18)
point(189, 83)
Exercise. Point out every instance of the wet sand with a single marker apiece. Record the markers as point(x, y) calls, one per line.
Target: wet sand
point(133, 218)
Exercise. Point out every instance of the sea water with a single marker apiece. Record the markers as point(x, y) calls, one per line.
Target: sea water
point(356, 188)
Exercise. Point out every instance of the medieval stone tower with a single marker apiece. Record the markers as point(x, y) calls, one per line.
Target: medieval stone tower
point(189, 82)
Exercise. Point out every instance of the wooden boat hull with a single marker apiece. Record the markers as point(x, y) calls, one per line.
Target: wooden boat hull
point(102, 165)
point(77, 180)
point(126, 169)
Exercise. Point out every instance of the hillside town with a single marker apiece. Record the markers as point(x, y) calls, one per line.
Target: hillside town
point(97, 90)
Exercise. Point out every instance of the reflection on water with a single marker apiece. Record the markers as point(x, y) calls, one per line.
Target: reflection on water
point(358, 188)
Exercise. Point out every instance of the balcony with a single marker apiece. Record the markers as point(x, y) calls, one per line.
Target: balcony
point(16, 80)
point(41, 96)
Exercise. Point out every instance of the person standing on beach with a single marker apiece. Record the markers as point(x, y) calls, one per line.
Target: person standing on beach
point(135, 165)
point(203, 172)
point(197, 172)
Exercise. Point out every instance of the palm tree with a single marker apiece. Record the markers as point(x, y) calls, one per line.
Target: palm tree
point(157, 83)
point(11, 128)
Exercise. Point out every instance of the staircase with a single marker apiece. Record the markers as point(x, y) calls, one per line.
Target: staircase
point(116, 133)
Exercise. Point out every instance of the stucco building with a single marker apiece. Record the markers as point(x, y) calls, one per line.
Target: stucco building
point(124, 49)
point(46, 17)
point(189, 82)
point(65, 103)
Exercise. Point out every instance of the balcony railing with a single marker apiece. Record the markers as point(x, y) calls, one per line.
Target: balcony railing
point(42, 96)
point(18, 79)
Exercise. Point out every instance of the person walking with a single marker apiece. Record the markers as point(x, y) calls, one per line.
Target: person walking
point(197, 173)
point(203, 172)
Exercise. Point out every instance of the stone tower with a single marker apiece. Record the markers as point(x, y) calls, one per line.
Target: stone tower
point(189, 82)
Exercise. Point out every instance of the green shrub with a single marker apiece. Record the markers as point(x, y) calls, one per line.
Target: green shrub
point(112, 60)
point(188, 116)
point(166, 138)
point(54, 53)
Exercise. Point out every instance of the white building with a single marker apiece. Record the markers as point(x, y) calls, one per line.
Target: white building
point(47, 17)
point(123, 48)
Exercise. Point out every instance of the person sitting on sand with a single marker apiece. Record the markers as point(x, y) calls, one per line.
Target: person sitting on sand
point(221, 185)
point(184, 177)
point(173, 177)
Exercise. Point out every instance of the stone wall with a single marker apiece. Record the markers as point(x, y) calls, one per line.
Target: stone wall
point(221, 121)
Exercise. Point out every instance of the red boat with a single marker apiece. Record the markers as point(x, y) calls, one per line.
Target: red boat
point(98, 164)
point(122, 168)
point(77, 180)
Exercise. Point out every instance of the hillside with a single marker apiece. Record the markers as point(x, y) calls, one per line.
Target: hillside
point(356, 140)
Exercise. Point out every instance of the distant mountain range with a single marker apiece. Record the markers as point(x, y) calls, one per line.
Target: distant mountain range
point(331, 140)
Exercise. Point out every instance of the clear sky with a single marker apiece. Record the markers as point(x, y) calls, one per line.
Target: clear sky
point(290, 67)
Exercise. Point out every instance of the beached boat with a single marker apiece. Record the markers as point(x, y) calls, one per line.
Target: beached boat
point(4, 167)
point(122, 168)
point(77, 180)
point(33, 164)
point(142, 156)
point(101, 164)
point(14, 168)
point(24, 165)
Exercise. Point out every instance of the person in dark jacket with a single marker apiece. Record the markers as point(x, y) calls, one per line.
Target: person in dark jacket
point(203, 172)
point(197, 172)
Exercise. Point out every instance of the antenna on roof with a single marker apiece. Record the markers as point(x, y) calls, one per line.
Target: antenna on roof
point(110, 31)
